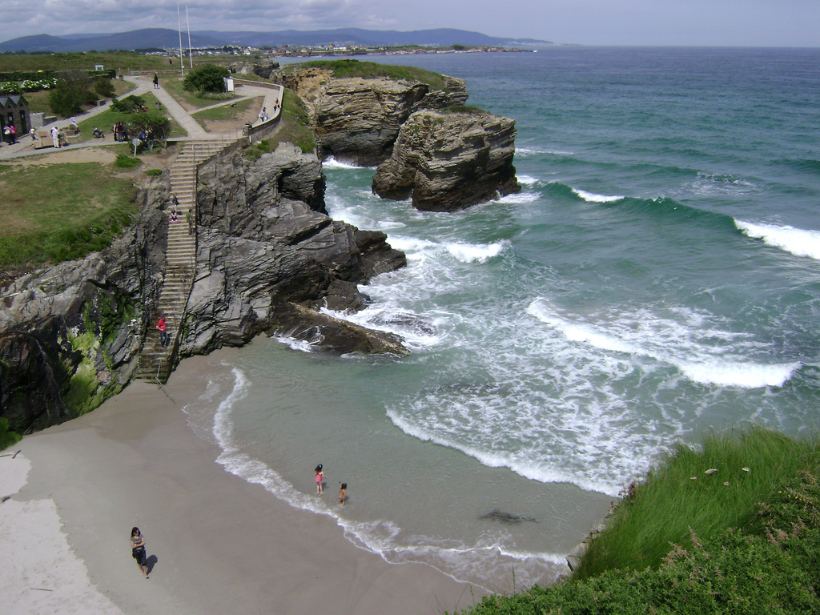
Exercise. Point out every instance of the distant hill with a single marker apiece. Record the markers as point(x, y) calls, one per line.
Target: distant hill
point(160, 37)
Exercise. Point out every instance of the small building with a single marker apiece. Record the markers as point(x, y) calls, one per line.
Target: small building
point(14, 110)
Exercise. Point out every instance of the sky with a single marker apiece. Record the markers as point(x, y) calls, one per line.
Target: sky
point(587, 22)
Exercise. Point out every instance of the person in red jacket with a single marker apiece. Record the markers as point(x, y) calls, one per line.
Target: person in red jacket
point(163, 330)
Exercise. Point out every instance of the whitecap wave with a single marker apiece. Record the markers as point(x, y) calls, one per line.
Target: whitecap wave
point(332, 163)
point(591, 197)
point(527, 180)
point(797, 241)
point(524, 152)
point(519, 197)
point(476, 564)
point(293, 343)
point(476, 253)
point(672, 343)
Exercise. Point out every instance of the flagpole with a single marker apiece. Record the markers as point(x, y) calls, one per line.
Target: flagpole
point(179, 31)
point(190, 51)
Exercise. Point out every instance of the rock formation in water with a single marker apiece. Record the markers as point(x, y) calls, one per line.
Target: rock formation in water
point(450, 160)
point(268, 258)
point(358, 120)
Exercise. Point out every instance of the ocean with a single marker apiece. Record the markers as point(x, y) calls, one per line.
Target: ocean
point(657, 279)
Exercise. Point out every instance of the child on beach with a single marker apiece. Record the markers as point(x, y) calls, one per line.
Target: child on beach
point(319, 479)
point(342, 494)
point(138, 550)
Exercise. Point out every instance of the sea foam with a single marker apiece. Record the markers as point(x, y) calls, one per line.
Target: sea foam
point(799, 242)
point(591, 197)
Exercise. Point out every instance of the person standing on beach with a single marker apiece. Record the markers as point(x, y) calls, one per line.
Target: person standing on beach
point(319, 479)
point(138, 550)
point(342, 494)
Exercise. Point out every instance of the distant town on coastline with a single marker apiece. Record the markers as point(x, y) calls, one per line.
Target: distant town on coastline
point(285, 43)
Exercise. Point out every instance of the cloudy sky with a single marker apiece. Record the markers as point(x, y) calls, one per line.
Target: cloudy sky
point(594, 22)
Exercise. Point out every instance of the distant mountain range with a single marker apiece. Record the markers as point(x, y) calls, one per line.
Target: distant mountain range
point(164, 38)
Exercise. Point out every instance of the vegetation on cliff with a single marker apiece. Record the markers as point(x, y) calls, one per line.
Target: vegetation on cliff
point(744, 538)
point(60, 212)
point(342, 69)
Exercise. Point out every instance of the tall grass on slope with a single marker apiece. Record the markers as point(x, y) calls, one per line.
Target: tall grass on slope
point(680, 497)
point(370, 70)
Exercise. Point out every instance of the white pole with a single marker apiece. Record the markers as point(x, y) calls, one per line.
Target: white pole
point(179, 31)
point(190, 51)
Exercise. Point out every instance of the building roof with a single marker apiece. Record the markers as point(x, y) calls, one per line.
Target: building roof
point(12, 100)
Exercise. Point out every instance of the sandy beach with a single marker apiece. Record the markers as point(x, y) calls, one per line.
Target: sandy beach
point(216, 543)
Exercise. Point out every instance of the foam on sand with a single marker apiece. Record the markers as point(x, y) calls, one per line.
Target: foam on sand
point(797, 241)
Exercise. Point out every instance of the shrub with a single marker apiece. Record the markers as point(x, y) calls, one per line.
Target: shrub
point(129, 104)
point(103, 87)
point(126, 162)
point(153, 172)
point(7, 436)
point(207, 78)
point(70, 94)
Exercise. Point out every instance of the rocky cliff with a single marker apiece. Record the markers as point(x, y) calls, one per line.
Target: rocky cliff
point(450, 160)
point(268, 258)
point(358, 119)
point(70, 334)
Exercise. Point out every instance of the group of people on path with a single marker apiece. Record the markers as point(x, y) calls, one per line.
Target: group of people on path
point(319, 479)
point(263, 114)
point(10, 134)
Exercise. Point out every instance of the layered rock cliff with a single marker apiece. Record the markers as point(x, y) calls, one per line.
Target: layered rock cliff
point(450, 160)
point(357, 119)
point(268, 258)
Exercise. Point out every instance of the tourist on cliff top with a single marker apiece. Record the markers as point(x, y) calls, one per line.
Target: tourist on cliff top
point(138, 550)
point(156, 81)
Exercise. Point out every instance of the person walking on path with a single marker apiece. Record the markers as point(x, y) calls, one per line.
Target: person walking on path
point(55, 136)
point(138, 550)
point(13, 132)
point(162, 327)
point(156, 81)
point(319, 479)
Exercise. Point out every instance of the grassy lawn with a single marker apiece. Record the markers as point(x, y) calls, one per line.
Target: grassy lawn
point(38, 101)
point(192, 100)
point(294, 127)
point(60, 212)
point(105, 120)
point(370, 70)
point(227, 112)
point(80, 61)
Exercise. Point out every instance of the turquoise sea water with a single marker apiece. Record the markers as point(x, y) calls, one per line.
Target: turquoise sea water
point(657, 278)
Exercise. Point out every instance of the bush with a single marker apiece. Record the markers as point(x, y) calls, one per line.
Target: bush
point(153, 172)
point(103, 87)
point(126, 162)
point(70, 94)
point(206, 78)
point(129, 104)
point(7, 436)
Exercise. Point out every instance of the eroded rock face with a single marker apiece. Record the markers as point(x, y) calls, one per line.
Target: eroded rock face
point(268, 256)
point(448, 161)
point(70, 334)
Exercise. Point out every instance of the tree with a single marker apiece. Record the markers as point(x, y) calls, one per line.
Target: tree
point(207, 78)
point(70, 94)
point(103, 87)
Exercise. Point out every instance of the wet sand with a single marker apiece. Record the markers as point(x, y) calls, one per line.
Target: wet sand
point(217, 544)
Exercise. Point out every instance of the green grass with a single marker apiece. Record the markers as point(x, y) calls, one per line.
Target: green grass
point(194, 100)
point(7, 436)
point(153, 172)
point(60, 212)
point(125, 161)
point(670, 502)
point(756, 550)
point(294, 127)
point(227, 112)
point(105, 120)
point(80, 61)
point(370, 70)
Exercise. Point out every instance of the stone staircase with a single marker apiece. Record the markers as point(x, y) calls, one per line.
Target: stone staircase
point(156, 361)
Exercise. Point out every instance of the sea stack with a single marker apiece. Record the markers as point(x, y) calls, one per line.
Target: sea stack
point(448, 160)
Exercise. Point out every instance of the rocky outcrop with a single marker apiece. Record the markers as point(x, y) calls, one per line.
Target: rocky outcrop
point(358, 119)
point(448, 161)
point(70, 334)
point(261, 68)
point(268, 259)
point(268, 256)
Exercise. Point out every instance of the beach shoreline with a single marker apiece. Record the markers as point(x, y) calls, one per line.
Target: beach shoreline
point(217, 543)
